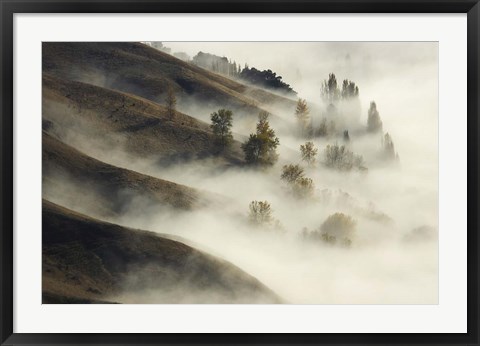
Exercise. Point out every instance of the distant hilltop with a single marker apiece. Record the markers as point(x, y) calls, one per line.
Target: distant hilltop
point(266, 78)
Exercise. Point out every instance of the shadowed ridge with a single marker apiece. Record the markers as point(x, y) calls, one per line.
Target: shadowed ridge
point(85, 259)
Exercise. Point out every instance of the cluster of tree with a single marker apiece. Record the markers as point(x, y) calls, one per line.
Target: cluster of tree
point(261, 147)
point(375, 125)
point(340, 158)
point(349, 90)
point(338, 228)
point(217, 64)
point(331, 93)
point(308, 152)
point(302, 115)
point(325, 128)
point(266, 78)
point(342, 102)
point(261, 215)
point(294, 176)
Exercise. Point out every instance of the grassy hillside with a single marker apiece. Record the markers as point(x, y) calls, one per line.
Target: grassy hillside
point(107, 189)
point(126, 122)
point(142, 70)
point(86, 260)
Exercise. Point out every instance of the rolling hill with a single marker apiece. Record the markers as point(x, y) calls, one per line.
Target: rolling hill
point(106, 190)
point(81, 114)
point(102, 110)
point(142, 70)
point(89, 261)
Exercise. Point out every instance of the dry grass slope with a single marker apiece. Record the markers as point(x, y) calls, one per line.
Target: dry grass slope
point(142, 70)
point(109, 190)
point(86, 260)
point(128, 122)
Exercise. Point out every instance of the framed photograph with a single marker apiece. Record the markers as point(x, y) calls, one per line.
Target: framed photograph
point(239, 172)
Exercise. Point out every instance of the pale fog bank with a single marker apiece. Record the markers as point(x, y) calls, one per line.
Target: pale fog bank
point(383, 265)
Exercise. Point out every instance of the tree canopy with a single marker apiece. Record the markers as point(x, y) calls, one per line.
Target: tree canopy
point(221, 127)
point(260, 148)
point(266, 78)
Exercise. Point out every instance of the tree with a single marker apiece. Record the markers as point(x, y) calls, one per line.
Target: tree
point(308, 152)
point(326, 128)
point(221, 127)
point(322, 130)
point(388, 148)
point(346, 136)
point(339, 157)
point(253, 149)
point(291, 173)
point(300, 185)
point(303, 187)
point(266, 78)
point(171, 102)
point(338, 228)
point(374, 123)
point(329, 91)
point(338, 225)
point(261, 147)
point(260, 213)
point(349, 90)
point(302, 114)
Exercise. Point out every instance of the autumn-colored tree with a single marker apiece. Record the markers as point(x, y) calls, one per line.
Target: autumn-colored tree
point(261, 147)
point(291, 173)
point(301, 186)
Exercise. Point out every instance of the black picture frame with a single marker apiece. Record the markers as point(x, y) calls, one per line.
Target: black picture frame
point(9, 7)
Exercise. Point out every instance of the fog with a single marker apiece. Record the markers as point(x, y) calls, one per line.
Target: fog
point(385, 264)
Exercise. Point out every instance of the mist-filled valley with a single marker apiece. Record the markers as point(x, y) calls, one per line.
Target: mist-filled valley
point(240, 172)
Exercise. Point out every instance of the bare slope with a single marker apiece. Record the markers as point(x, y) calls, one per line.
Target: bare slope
point(90, 114)
point(86, 260)
point(142, 70)
point(104, 190)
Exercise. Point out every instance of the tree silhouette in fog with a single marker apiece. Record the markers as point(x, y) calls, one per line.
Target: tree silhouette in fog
point(374, 123)
point(221, 127)
point(260, 213)
point(308, 153)
point(260, 148)
point(302, 113)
